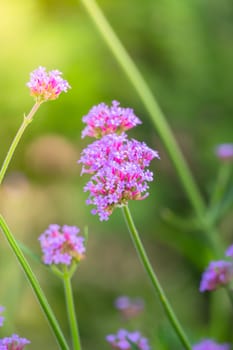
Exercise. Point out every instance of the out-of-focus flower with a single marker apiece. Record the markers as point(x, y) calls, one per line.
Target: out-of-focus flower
point(217, 274)
point(122, 339)
point(13, 343)
point(120, 174)
point(225, 151)
point(46, 86)
point(103, 120)
point(62, 245)
point(229, 251)
point(129, 307)
point(209, 344)
point(1, 317)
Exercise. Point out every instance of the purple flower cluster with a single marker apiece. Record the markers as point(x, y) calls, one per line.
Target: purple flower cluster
point(1, 317)
point(62, 245)
point(225, 151)
point(229, 251)
point(118, 166)
point(103, 120)
point(123, 339)
point(13, 343)
point(209, 344)
point(46, 86)
point(129, 307)
point(218, 273)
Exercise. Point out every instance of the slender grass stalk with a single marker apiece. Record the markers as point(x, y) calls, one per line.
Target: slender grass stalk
point(153, 278)
point(159, 121)
point(71, 310)
point(223, 177)
point(149, 101)
point(26, 121)
point(34, 285)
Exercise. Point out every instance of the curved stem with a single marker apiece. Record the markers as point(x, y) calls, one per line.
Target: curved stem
point(153, 278)
point(27, 120)
point(221, 183)
point(34, 284)
point(159, 121)
point(71, 311)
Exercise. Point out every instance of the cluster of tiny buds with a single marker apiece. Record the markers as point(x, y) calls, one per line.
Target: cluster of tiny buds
point(118, 165)
point(123, 340)
point(45, 86)
point(14, 342)
point(224, 152)
point(218, 273)
point(129, 307)
point(62, 245)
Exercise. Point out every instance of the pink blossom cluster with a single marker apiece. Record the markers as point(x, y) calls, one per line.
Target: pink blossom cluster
point(14, 342)
point(103, 120)
point(208, 344)
point(46, 86)
point(129, 307)
point(123, 339)
point(218, 273)
point(62, 245)
point(118, 166)
point(225, 151)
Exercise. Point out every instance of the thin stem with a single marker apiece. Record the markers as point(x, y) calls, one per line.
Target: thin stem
point(71, 311)
point(34, 285)
point(158, 119)
point(149, 102)
point(221, 183)
point(27, 120)
point(153, 278)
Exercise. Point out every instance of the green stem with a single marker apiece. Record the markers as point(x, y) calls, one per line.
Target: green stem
point(34, 284)
point(149, 102)
point(221, 183)
point(158, 119)
point(71, 311)
point(27, 120)
point(153, 278)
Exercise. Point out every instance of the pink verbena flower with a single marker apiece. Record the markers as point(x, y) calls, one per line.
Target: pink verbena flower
point(103, 120)
point(229, 251)
point(119, 172)
point(62, 245)
point(129, 307)
point(208, 344)
point(13, 343)
point(122, 339)
point(1, 317)
point(225, 151)
point(217, 274)
point(46, 86)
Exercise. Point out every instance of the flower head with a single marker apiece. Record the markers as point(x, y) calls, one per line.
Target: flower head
point(119, 172)
point(129, 307)
point(1, 317)
point(229, 251)
point(62, 245)
point(123, 339)
point(103, 120)
point(46, 86)
point(217, 274)
point(13, 343)
point(225, 151)
point(209, 344)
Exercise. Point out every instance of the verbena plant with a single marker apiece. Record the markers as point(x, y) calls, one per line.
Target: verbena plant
point(118, 167)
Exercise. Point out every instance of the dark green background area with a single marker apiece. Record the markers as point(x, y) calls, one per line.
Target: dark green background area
point(185, 51)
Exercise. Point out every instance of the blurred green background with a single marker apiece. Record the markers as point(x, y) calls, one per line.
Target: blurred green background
point(185, 51)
